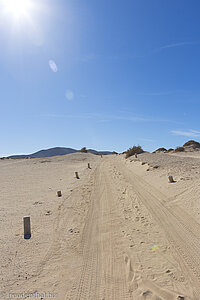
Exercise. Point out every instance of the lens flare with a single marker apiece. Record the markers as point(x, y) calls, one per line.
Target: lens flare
point(53, 66)
point(69, 95)
point(17, 8)
point(155, 247)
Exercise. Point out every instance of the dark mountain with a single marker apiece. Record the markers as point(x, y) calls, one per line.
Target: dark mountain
point(53, 152)
point(47, 153)
point(99, 152)
point(57, 151)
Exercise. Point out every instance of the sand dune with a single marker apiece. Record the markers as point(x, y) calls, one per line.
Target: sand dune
point(119, 232)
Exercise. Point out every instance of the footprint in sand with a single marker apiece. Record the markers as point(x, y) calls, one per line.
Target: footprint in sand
point(143, 289)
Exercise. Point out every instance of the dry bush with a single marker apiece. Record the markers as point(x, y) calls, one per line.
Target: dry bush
point(134, 150)
point(170, 150)
point(160, 150)
point(84, 150)
point(192, 143)
point(179, 149)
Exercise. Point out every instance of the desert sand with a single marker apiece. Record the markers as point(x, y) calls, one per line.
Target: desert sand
point(121, 231)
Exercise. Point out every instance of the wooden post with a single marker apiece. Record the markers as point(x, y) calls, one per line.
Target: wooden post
point(76, 174)
point(59, 194)
point(88, 165)
point(135, 155)
point(170, 179)
point(27, 228)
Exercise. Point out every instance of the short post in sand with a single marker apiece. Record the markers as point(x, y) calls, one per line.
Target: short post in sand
point(59, 193)
point(170, 178)
point(76, 174)
point(101, 155)
point(27, 228)
point(89, 166)
point(135, 155)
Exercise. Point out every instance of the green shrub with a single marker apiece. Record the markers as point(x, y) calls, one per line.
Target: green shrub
point(134, 150)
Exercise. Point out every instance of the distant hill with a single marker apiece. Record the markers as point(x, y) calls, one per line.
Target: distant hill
point(99, 152)
point(58, 151)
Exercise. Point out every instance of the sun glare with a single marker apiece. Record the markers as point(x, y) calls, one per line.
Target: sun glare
point(18, 8)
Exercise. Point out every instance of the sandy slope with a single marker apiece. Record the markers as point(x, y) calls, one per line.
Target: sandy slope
point(134, 234)
point(29, 187)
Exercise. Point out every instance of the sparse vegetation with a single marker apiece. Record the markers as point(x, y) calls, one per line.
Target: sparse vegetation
point(179, 149)
point(134, 150)
point(84, 150)
point(192, 144)
point(170, 150)
point(160, 150)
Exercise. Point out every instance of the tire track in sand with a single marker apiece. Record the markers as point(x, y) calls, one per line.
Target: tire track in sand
point(181, 233)
point(103, 274)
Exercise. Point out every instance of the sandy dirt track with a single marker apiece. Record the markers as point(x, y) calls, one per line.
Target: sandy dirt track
point(130, 240)
point(108, 270)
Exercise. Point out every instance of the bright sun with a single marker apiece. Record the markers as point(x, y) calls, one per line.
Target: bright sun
point(18, 8)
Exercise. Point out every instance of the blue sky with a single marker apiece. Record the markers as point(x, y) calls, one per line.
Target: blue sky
point(102, 74)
